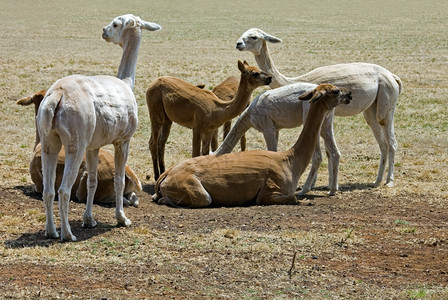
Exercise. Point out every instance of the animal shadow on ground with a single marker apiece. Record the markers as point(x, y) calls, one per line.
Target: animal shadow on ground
point(38, 239)
point(348, 187)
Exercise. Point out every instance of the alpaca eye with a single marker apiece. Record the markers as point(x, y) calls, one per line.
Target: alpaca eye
point(256, 75)
point(253, 37)
point(335, 92)
point(115, 25)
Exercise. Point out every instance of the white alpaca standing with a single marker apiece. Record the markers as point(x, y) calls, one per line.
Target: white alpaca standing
point(375, 94)
point(84, 113)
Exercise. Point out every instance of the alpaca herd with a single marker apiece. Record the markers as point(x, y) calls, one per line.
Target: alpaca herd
point(80, 114)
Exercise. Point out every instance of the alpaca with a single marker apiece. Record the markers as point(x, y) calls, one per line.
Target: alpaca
point(104, 193)
point(242, 178)
point(271, 111)
point(375, 93)
point(84, 113)
point(170, 99)
point(226, 91)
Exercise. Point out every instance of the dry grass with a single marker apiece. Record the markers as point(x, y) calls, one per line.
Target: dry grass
point(229, 257)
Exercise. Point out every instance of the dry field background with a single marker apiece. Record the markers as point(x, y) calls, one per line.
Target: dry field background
point(362, 243)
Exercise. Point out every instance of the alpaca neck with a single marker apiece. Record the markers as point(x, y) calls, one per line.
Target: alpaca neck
point(303, 149)
point(266, 64)
point(233, 108)
point(128, 64)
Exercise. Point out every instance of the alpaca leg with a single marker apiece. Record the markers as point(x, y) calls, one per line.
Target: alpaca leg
point(163, 138)
point(238, 130)
point(316, 161)
point(120, 158)
point(243, 143)
point(370, 116)
point(49, 163)
point(214, 141)
point(206, 140)
point(386, 102)
point(92, 183)
point(154, 149)
point(271, 138)
point(73, 160)
point(270, 195)
point(333, 154)
point(196, 142)
point(389, 133)
point(185, 192)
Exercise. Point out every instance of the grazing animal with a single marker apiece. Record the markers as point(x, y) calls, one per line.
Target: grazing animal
point(375, 93)
point(84, 113)
point(104, 193)
point(171, 99)
point(241, 178)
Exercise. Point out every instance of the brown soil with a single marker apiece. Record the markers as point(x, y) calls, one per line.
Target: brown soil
point(364, 245)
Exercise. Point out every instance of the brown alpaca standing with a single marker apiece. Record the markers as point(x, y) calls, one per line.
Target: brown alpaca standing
point(170, 99)
point(241, 178)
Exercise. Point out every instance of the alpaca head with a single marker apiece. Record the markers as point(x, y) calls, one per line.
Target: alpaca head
point(114, 32)
point(253, 40)
point(329, 95)
point(254, 76)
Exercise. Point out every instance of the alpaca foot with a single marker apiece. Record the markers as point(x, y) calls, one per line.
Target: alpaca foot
point(88, 222)
point(51, 234)
point(68, 236)
point(154, 198)
point(133, 200)
point(303, 192)
point(390, 184)
point(122, 220)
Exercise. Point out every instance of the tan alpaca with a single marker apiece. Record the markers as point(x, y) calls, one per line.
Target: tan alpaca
point(170, 99)
point(104, 193)
point(226, 91)
point(242, 178)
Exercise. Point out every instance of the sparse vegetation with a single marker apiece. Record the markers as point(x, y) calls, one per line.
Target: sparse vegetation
point(399, 246)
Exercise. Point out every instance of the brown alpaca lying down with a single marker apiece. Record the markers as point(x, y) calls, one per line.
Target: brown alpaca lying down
point(105, 191)
point(242, 178)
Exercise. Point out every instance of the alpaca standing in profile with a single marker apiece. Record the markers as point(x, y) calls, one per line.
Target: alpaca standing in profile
point(171, 99)
point(84, 113)
point(375, 94)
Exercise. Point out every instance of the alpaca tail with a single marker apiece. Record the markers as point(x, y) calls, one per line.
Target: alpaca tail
point(162, 177)
point(400, 83)
point(132, 177)
point(47, 109)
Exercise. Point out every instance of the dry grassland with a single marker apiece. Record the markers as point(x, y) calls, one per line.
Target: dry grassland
point(364, 243)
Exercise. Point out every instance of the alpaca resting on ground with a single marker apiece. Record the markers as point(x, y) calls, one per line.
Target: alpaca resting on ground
point(242, 178)
point(84, 113)
point(375, 94)
point(171, 99)
point(104, 193)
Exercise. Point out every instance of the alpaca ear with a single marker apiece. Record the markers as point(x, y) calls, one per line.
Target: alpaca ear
point(130, 23)
point(306, 96)
point(36, 98)
point(241, 66)
point(271, 38)
point(313, 96)
point(150, 26)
